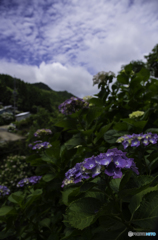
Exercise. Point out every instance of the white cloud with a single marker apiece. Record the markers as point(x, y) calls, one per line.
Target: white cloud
point(73, 40)
point(75, 80)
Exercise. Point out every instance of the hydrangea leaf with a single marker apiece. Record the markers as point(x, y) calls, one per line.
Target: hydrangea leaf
point(16, 197)
point(147, 214)
point(136, 200)
point(7, 210)
point(48, 177)
point(67, 124)
point(102, 131)
point(81, 213)
point(109, 136)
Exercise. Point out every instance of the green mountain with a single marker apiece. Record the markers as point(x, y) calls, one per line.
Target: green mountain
point(43, 86)
point(29, 96)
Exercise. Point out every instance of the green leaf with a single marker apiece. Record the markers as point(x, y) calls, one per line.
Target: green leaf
point(128, 68)
point(114, 184)
point(125, 179)
point(54, 151)
point(81, 213)
point(97, 101)
point(67, 124)
point(33, 197)
point(109, 223)
point(133, 122)
point(102, 131)
point(120, 126)
point(45, 223)
point(143, 74)
point(109, 136)
point(132, 191)
point(66, 193)
point(152, 130)
point(7, 210)
point(16, 197)
point(146, 216)
point(4, 235)
point(93, 114)
point(48, 159)
point(33, 160)
point(136, 200)
point(73, 142)
point(153, 156)
point(123, 78)
point(102, 234)
point(48, 177)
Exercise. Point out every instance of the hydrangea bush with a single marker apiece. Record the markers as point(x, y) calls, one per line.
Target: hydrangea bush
point(101, 183)
point(12, 170)
point(7, 117)
point(12, 128)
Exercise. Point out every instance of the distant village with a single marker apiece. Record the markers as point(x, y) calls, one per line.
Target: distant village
point(11, 109)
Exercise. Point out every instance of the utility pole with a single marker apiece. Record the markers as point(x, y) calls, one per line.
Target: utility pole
point(14, 95)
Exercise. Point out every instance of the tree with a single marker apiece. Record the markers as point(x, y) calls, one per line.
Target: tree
point(152, 61)
point(137, 65)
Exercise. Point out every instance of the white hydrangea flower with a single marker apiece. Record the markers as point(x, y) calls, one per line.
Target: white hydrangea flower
point(136, 114)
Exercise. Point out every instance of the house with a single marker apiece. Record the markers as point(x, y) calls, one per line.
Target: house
point(22, 116)
point(7, 109)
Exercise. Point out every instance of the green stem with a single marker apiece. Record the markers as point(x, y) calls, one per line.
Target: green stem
point(128, 225)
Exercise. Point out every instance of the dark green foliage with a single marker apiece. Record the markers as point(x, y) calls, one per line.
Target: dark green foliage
point(31, 96)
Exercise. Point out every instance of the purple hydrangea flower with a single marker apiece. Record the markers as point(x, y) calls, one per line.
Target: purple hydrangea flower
point(4, 190)
point(135, 140)
point(33, 180)
point(40, 132)
point(40, 145)
point(113, 171)
point(72, 105)
point(112, 162)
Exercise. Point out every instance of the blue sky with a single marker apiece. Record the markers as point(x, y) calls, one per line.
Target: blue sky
point(64, 43)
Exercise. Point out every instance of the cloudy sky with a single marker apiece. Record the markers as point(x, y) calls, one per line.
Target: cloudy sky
point(64, 43)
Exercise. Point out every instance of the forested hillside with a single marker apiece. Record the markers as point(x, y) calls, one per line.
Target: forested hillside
point(30, 96)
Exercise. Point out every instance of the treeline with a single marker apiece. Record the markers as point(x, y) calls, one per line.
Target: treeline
point(30, 96)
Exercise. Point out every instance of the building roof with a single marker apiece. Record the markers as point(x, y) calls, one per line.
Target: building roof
point(22, 114)
point(10, 106)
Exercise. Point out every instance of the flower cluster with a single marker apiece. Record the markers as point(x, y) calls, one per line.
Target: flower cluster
point(13, 169)
point(40, 145)
point(4, 190)
point(136, 114)
point(87, 98)
point(72, 105)
point(40, 132)
point(7, 116)
point(32, 180)
point(101, 77)
point(134, 140)
point(132, 73)
point(110, 162)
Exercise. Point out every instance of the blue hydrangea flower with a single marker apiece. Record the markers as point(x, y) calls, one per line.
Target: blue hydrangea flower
point(135, 140)
point(112, 162)
point(33, 180)
point(4, 190)
point(40, 145)
point(72, 105)
point(113, 171)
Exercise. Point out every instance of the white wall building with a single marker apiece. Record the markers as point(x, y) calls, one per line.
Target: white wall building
point(22, 116)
